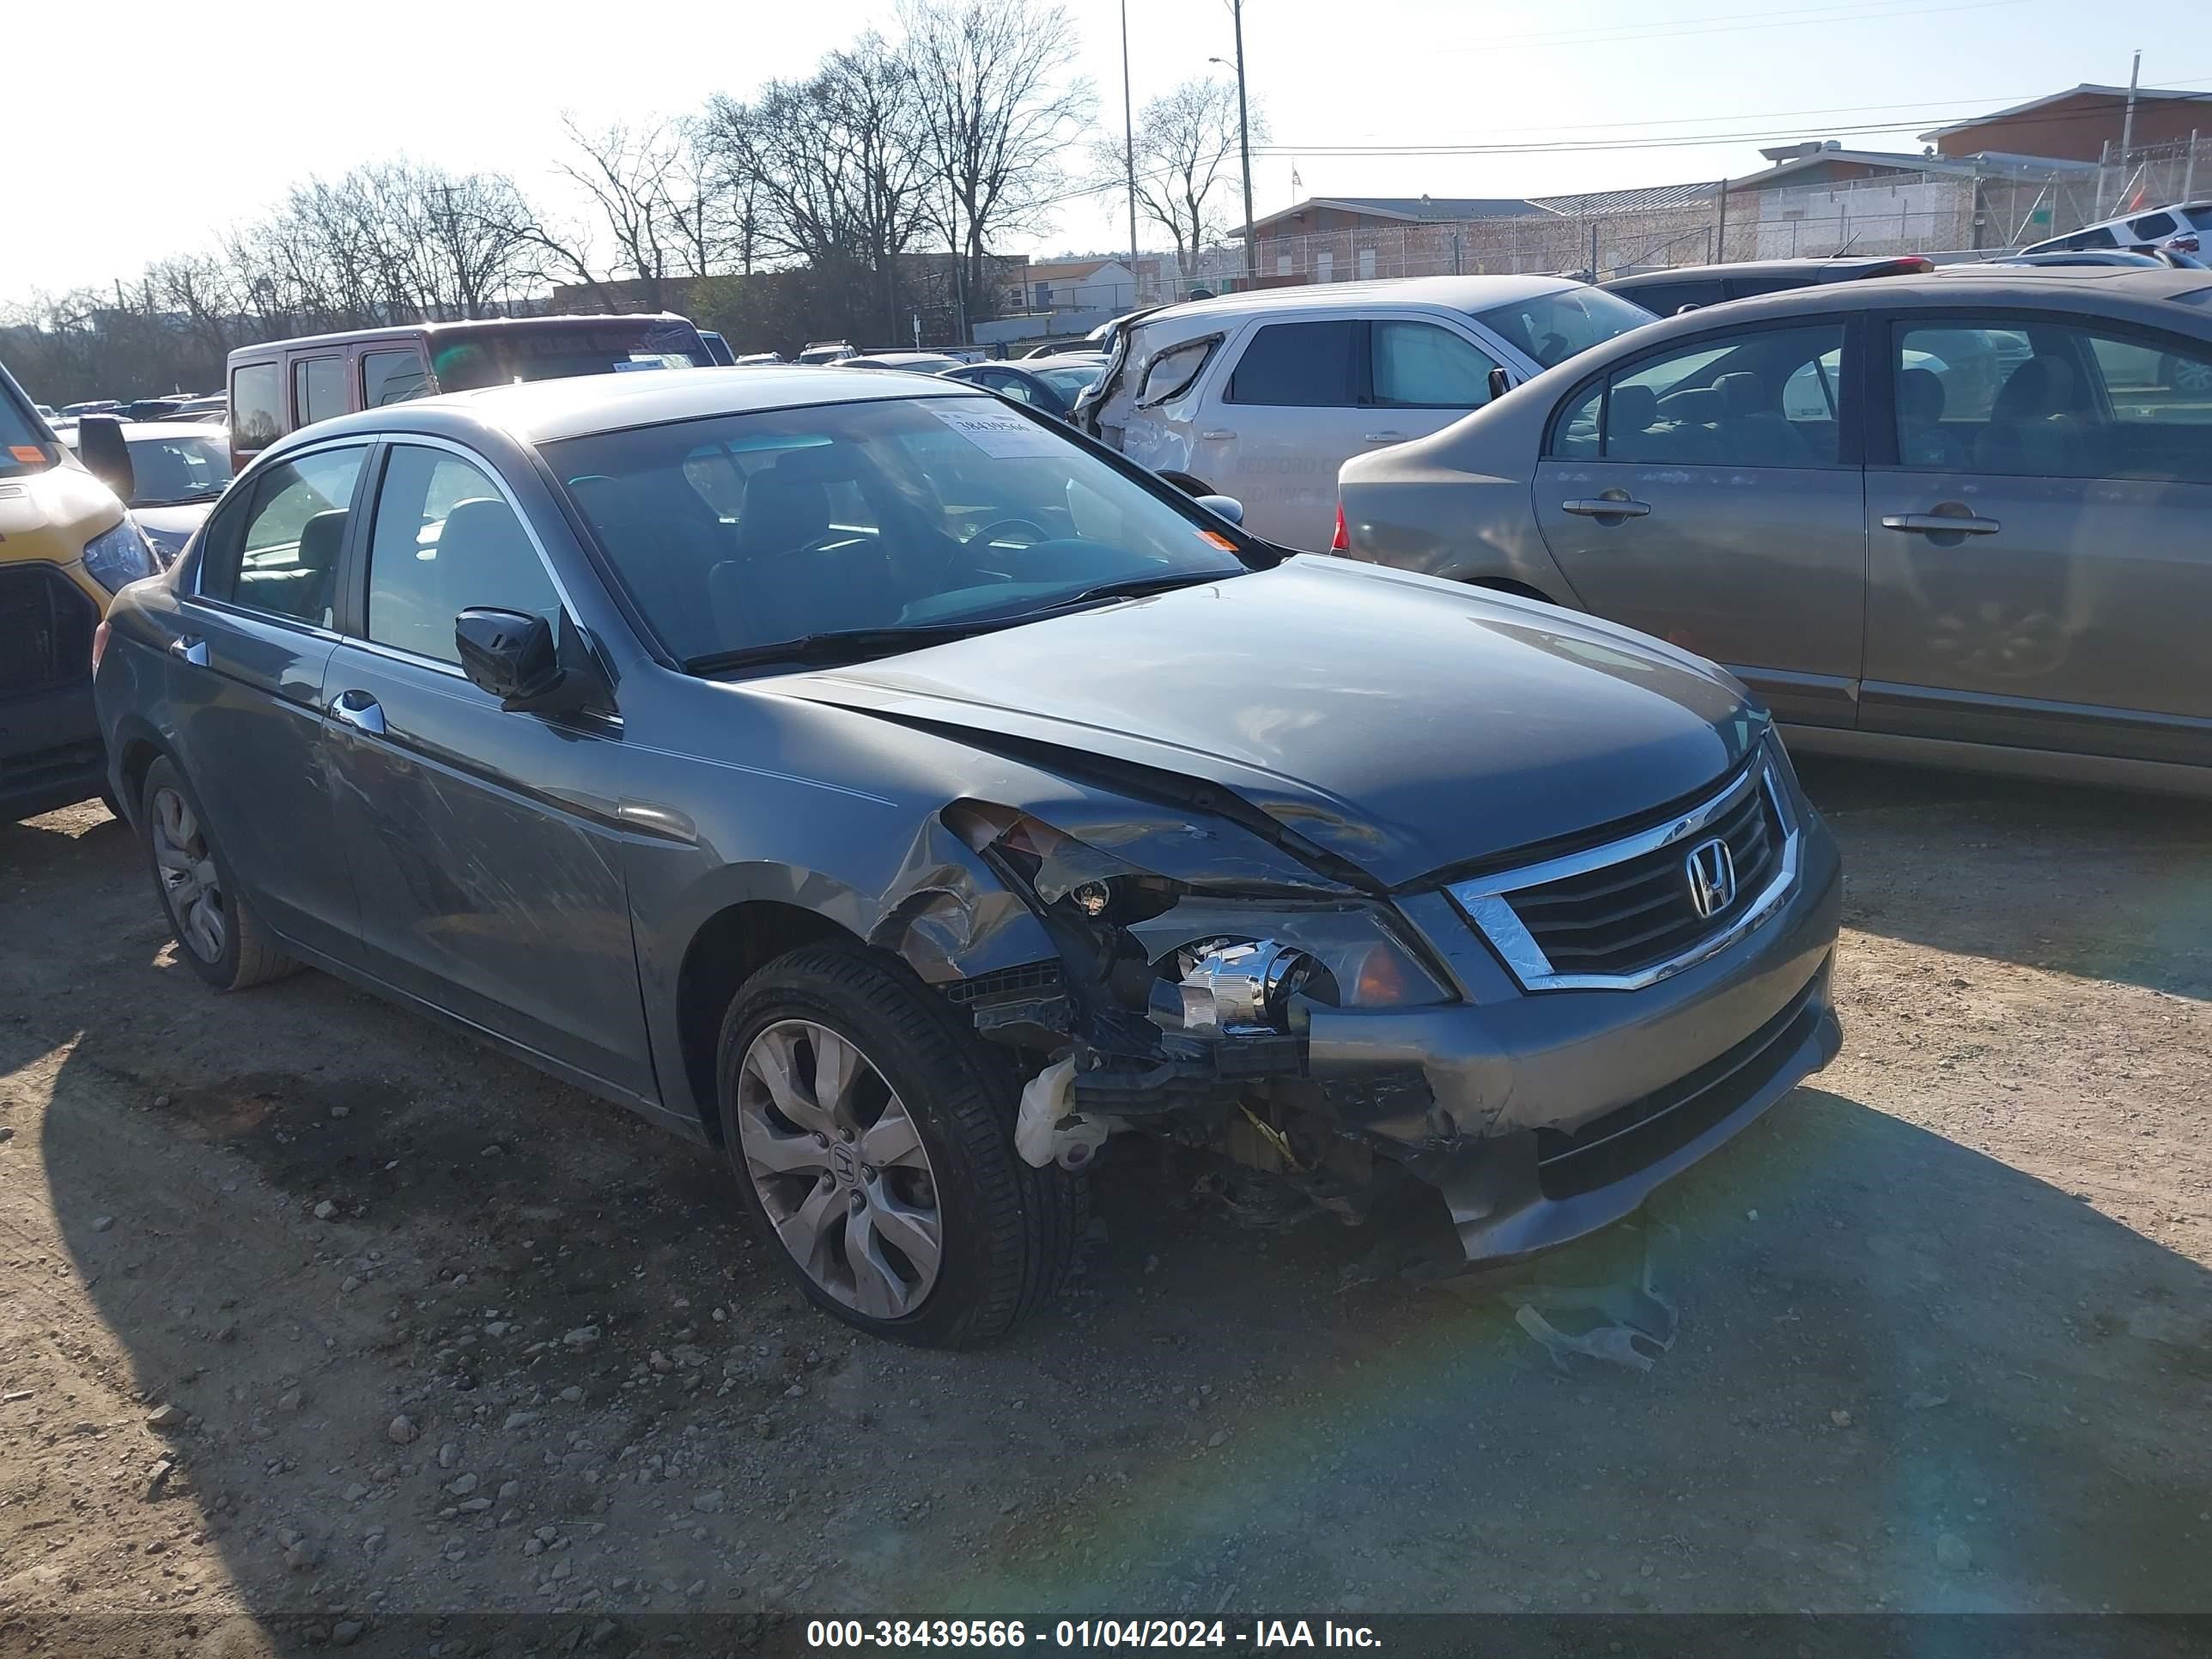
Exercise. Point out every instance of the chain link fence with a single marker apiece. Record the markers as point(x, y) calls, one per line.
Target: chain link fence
point(1942, 213)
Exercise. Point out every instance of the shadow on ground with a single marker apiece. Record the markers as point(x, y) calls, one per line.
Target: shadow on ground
point(2116, 884)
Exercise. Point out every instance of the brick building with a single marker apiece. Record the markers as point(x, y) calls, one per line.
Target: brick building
point(2078, 125)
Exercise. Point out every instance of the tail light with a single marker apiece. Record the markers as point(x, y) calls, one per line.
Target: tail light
point(1339, 543)
point(98, 644)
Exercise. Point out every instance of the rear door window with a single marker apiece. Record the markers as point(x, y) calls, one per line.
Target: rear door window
point(1421, 366)
point(317, 390)
point(257, 409)
point(1299, 365)
point(1174, 371)
point(1746, 287)
point(1770, 398)
point(392, 377)
point(279, 555)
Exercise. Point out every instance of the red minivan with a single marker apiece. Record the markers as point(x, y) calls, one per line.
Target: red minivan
point(280, 386)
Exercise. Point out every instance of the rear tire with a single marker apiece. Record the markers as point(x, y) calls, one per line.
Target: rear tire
point(218, 935)
point(912, 1148)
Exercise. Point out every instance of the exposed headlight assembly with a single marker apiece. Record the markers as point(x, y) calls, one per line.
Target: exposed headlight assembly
point(1203, 963)
point(117, 557)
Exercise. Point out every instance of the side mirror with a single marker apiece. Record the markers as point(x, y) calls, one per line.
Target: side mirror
point(99, 446)
point(509, 654)
point(1226, 507)
point(1500, 384)
point(1684, 310)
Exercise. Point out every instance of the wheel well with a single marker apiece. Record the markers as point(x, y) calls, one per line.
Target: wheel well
point(732, 946)
point(1507, 585)
point(139, 754)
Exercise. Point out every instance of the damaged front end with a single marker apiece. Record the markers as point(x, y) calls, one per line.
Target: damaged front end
point(1182, 1002)
point(1222, 983)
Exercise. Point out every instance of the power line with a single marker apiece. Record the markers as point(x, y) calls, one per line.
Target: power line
point(1723, 23)
point(1929, 118)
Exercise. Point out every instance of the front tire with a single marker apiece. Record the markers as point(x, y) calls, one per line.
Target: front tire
point(218, 934)
point(871, 1135)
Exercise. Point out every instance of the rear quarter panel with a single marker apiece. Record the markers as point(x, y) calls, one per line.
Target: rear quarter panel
point(1459, 504)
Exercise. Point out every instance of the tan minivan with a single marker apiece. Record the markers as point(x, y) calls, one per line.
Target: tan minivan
point(280, 386)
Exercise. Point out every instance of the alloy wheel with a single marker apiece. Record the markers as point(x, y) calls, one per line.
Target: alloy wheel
point(839, 1168)
point(188, 881)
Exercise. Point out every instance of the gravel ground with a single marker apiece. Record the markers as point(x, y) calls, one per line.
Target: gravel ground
point(316, 1322)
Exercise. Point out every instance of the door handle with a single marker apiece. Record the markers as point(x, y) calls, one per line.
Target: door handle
point(359, 711)
point(194, 652)
point(1213, 436)
point(1941, 524)
point(1381, 437)
point(1604, 507)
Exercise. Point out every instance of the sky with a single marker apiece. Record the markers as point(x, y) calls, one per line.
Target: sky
point(1595, 93)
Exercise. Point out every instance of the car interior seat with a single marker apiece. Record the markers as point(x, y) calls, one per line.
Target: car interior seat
point(1921, 438)
point(2033, 426)
point(306, 588)
point(485, 558)
point(1753, 429)
point(1634, 411)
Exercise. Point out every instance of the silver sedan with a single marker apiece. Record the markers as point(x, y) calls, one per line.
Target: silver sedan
point(1959, 519)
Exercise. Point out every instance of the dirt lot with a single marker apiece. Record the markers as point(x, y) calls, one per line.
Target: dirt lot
point(440, 1336)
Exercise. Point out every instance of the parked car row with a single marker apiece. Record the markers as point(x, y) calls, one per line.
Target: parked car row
point(1076, 805)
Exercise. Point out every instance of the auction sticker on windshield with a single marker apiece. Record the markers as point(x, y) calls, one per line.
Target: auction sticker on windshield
point(999, 432)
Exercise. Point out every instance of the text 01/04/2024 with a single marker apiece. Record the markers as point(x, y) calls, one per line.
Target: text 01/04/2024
point(831, 1633)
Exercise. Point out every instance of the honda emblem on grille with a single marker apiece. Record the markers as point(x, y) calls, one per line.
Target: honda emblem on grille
point(1711, 870)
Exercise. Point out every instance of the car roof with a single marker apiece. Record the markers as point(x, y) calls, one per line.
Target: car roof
point(1819, 270)
point(2145, 295)
point(1081, 360)
point(1458, 293)
point(133, 430)
point(416, 331)
point(545, 411)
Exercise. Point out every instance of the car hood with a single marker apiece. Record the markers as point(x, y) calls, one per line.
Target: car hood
point(1402, 724)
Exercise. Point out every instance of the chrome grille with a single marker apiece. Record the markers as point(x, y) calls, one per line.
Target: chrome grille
point(1627, 913)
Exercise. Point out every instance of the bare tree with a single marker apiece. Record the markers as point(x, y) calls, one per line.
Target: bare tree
point(1187, 162)
point(832, 172)
point(642, 182)
point(1000, 110)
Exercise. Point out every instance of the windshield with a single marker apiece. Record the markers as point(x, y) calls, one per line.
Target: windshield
point(1553, 327)
point(169, 470)
point(918, 514)
point(462, 360)
point(25, 446)
point(1071, 383)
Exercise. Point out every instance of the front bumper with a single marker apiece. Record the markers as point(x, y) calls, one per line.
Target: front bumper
point(51, 754)
point(1545, 1116)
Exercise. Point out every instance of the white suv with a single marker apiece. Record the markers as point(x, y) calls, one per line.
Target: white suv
point(2182, 227)
point(1263, 396)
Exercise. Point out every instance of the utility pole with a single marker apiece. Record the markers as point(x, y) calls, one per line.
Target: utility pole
point(2128, 121)
point(1244, 144)
point(1129, 143)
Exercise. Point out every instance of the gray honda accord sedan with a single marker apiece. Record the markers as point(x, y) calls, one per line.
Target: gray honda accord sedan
point(903, 794)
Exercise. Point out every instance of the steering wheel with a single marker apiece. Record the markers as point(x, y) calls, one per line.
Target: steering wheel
point(984, 537)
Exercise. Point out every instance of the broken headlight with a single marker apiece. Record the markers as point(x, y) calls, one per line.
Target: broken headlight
point(1202, 962)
